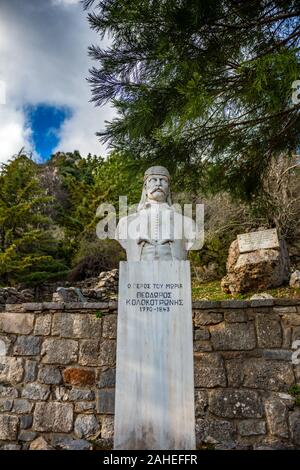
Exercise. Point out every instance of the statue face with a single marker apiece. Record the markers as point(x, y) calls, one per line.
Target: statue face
point(157, 188)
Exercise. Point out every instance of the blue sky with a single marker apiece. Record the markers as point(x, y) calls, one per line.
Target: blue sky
point(44, 64)
point(46, 122)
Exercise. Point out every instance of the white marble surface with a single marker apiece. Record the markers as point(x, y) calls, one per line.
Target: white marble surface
point(154, 383)
point(258, 240)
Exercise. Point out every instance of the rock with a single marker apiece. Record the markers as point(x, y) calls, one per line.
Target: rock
point(277, 414)
point(107, 356)
point(228, 403)
point(67, 443)
point(107, 427)
point(212, 431)
point(202, 334)
point(43, 325)
point(262, 295)
point(26, 436)
point(8, 427)
point(267, 375)
point(251, 427)
point(30, 371)
point(8, 392)
point(68, 294)
point(11, 369)
point(109, 328)
point(76, 376)
point(295, 279)
point(49, 375)
point(107, 378)
point(77, 325)
point(294, 420)
point(53, 417)
point(59, 351)
point(5, 404)
point(26, 421)
point(86, 426)
point(233, 336)
point(82, 406)
point(89, 352)
point(207, 318)
point(201, 403)
point(106, 401)
point(22, 406)
point(16, 323)
point(40, 444)
point(268, 331)
point(209, 370)
point(77, 394)
point(27, 346)
point(255, 270)
point(36, 391)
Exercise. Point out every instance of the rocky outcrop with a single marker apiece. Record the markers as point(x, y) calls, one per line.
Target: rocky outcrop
point(256, 270)
point(295, 279)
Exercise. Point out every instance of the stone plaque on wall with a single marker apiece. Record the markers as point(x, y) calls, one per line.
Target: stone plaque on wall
point(262, 239)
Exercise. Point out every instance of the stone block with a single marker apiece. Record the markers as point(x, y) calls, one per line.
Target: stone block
point(207, 318)
point(294, 421)
point(107, 378)
point(59, 351)
point(89, 352)
point(78, 376)
point(86, 426)
point(36, 391)
point(201, 403)
point(277, 414)
point(69, 325)
point(11, 369)
point(49, 375)
point(30, 371)
point(107, 356)
point(22, 406)
point(67, 443)
point(20, 323)
point(8, 392)
point(109, 327)
point(26, 421)
point(5, 404)
point(26, 436)
point(235, 403)
point(251, 427)
point(27, 346)
point(40, 444)
point(268, 375)
point(53, 417)
point(106, 401)
point(107, 427)
point(202, 334)
point(77, 394)
point(209, 370)
point(202, 346)
point(237, 316)
point(8, 427)
point(268, 331)
point(213, 431)
point(229, 336)
point(43, 324)
point(85, 406)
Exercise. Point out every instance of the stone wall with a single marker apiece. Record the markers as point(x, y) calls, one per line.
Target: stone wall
point(57, 374)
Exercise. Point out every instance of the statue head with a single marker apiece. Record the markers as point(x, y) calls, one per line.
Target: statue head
point(156, 186)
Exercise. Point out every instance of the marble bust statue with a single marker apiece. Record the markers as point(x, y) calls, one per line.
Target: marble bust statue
point(156, 231)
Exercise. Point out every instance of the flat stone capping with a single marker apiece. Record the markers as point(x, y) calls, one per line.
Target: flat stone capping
point(113, 305)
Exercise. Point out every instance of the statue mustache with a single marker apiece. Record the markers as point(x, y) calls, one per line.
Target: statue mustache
point(157, 188)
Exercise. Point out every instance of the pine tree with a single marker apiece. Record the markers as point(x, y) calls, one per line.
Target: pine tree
point(202, 86)
point(28, 251)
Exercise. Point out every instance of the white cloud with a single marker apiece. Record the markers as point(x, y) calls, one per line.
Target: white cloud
point(43, 59)
point(13, 133)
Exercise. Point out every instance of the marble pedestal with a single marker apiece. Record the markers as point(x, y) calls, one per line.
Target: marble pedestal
point(155, 380)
